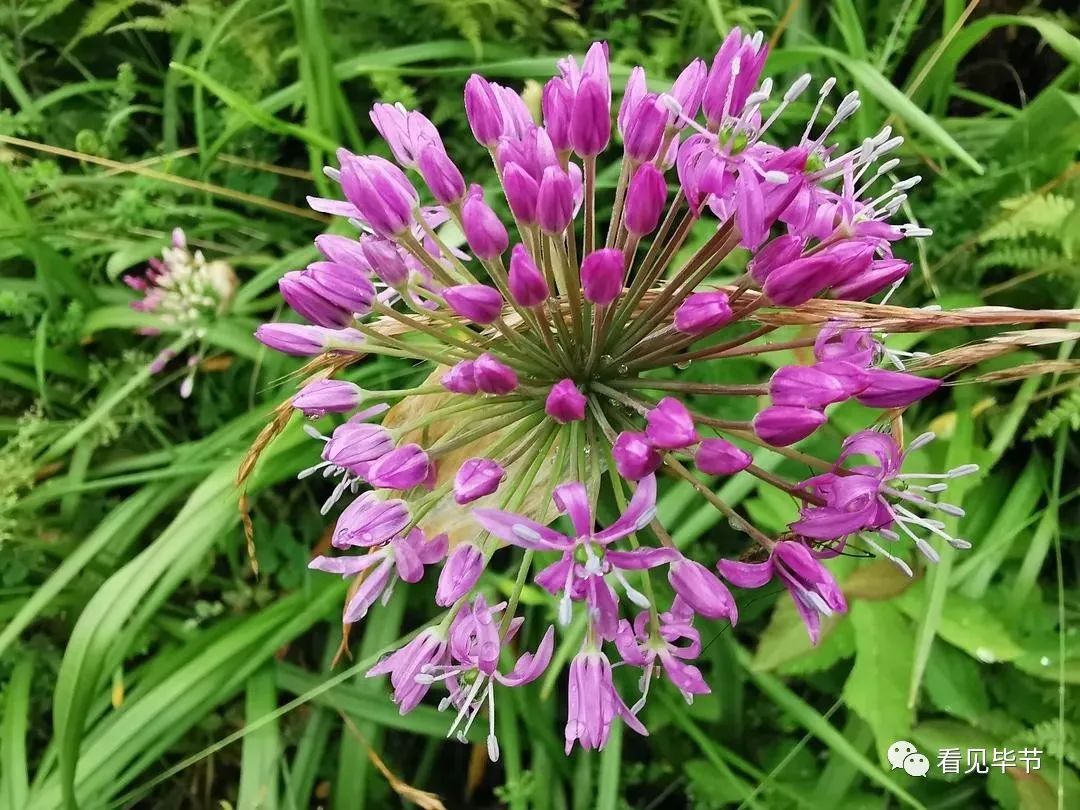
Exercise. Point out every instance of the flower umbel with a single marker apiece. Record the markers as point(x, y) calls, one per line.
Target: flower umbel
point(557, 354)
point(186, 293)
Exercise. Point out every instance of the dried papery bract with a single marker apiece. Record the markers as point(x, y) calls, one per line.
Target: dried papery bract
point(550, 370)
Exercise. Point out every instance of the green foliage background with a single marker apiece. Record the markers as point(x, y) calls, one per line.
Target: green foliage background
point(143, 665)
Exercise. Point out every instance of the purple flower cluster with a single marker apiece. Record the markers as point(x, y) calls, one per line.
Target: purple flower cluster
point(185, 293)
point(551, 370)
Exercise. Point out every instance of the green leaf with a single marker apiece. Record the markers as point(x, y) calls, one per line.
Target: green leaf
point(261, 749)
point(877, 686)
point(253, 112)
point(972, 626)
point(811, 719)
point(14, 778)
point(785, 644)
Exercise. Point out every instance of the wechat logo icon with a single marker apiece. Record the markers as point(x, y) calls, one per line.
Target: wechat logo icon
point(902, 754)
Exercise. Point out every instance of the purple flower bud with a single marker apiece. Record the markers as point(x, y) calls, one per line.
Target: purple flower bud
point(299, 293)
point(521, 193)
point(406, 132)
point(403, 468)
point(733, 76)
point(477, 477)
point(635, 456)
point(386, 261)
point(460, 378)
point(526, 283)
point(441, 175)
point(645, 129)
point(555, 201)
point(882, 273)
point(687, 90)
point(484, 232)
point(590, 122)
point(702, 590)
point(483, 111)
point(781, 425)
point(369, 521)
point(721, 457)
point(343, 250)
point(779, 251)
point(476, 302)
point(380, 192)
point(493, 376)
point(805, 387)
point(645, 198)
point(851, 377)
point(602, 274)
point(837, 342)
point(460, 573)
point(328, 396)
point(670, 425)
point(179, 239)
point(354, 445)
point(800, 280)
point(895, 389)
point(635, 91)
point(342, 284)
point(300, 339)
point(557, 104)
point(702, 313)
point(429, 649)
point(565, 402)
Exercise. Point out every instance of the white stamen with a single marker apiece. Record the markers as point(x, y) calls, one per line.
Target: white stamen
point(825, 88)
point(899, 563)
point(798, 87)
point(311, 470)
point(643, 684)
point(313, 432)
point(492, 741)
point(634, 595)
point(776, 177)
point(962, 470)
point(921, 441)
point(465, 706)
point(566, 610)
point(927, 550)
point(332, 173)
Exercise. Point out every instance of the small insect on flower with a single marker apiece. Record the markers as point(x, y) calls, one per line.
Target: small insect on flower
point(556, 350)
point(185, 293)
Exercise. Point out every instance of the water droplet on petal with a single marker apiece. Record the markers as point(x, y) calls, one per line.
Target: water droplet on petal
point(683, 365)
point(623, 368)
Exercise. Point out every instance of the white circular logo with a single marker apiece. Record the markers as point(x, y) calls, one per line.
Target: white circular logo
point(898, 751)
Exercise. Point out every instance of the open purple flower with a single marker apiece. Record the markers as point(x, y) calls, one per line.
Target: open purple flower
point(672, 649)
point(403, 555)
point(810, 584)
point(475, 647)
point(581, 572)
point(593, 702)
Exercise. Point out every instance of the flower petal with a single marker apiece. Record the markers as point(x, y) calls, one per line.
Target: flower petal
point(639, 513)
point(521, 531)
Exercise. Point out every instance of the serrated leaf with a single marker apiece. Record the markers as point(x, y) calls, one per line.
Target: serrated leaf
point(785, 642)
point(972, 626)
point(954, 683)
point(877, 686)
